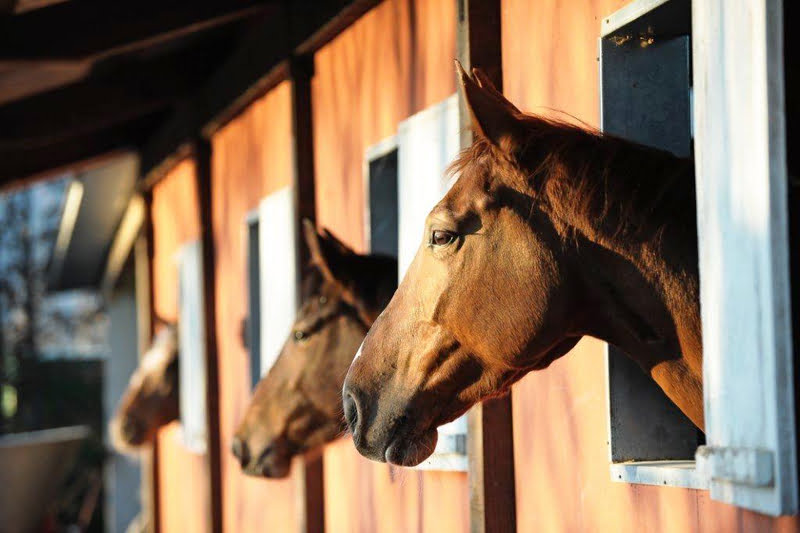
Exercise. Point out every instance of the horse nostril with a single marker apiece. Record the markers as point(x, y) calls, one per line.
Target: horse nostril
point(351, 411)
point(241, 452)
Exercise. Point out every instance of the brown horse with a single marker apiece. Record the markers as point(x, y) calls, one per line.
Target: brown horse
point(151, 399)
point(551, 232)
point(297, 405)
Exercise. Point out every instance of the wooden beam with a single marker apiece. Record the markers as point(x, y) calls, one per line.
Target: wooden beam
point(301, 70)
point(348, 13)
point(119, 105)
point(96, 30)
point(30, 164)
point(259, 64)
point(255, 64)
point(135, 89)
point(144, 252)
point(92, 105)
point(201, 149)
point(490, 438)
point(311, 497)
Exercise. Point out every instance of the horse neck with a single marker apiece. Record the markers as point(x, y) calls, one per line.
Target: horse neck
point(638, 231)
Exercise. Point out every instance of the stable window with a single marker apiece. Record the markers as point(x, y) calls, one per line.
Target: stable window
point(251, 330)
point(271, 280)
point(645, 65)
point(380, 174)
point(426, 144)
point(277, 275)
point(192, 347)
point(650, 52)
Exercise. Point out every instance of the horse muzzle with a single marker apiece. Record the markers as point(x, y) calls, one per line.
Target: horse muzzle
point(386, 438)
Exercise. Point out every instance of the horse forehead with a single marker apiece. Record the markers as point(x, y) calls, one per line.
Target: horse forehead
point(463, 201)
point(157, 357)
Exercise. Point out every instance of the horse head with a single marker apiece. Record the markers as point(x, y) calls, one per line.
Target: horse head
point(151, 398)
point(297, 406)
point(547, 235)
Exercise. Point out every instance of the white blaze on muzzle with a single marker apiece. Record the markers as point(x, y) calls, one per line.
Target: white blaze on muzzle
point(358, 353)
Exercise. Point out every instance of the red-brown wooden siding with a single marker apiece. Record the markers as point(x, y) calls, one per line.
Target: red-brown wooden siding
point(392, 63)
point(251, 159)
point(183, 475)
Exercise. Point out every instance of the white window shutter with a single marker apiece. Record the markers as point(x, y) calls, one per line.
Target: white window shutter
point(192, 347)
point(427, 143)
point(750, 457)
point(278, 279)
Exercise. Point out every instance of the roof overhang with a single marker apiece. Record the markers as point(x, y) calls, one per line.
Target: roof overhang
point(100, 219)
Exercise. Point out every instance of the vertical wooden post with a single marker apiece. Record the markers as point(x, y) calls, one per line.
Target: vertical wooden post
point(201, 149)
point(310, 497)
point(145, 316)
point(490, 439)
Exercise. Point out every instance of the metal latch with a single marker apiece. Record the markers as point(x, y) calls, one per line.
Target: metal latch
point(742, 466)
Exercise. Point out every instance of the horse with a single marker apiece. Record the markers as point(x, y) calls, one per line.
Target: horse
point(296, 407)
point(551, 232)
point(151, 398)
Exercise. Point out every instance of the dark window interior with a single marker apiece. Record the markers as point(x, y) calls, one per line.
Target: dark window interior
point(646, 97)
point(251, 327)
point(383, 204)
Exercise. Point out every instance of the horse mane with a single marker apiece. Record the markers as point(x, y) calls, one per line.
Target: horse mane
point(622, 189)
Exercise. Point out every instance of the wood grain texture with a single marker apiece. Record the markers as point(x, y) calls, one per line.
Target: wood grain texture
point(560, 415)
point(392, 63)
point(184, 497)
point(251, 159)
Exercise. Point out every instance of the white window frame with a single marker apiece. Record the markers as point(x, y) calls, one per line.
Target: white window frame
point(192, 347)
point(427, 143)
point(278, 273)
point(742, 185)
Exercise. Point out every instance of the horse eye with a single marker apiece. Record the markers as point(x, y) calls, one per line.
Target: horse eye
point(300, 335)
point(442, 238)
point(323, 300)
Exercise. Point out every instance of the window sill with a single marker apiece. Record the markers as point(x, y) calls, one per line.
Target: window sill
point(663, 473)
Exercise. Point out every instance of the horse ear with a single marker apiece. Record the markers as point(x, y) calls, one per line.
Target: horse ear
point(493, 116)
point(327, 252)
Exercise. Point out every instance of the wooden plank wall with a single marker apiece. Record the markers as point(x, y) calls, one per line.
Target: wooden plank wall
point(183, 476)
point(251, 158)
point(561, 454)
point(392, 63)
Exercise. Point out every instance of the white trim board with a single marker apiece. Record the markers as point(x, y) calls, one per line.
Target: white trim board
point(740, 145)
point(278, 279)
point(192, 347)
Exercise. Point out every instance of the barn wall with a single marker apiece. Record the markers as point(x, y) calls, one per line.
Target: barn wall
point(183, 475)
point(392, 63)
point(560, 432)
point(251, 159)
